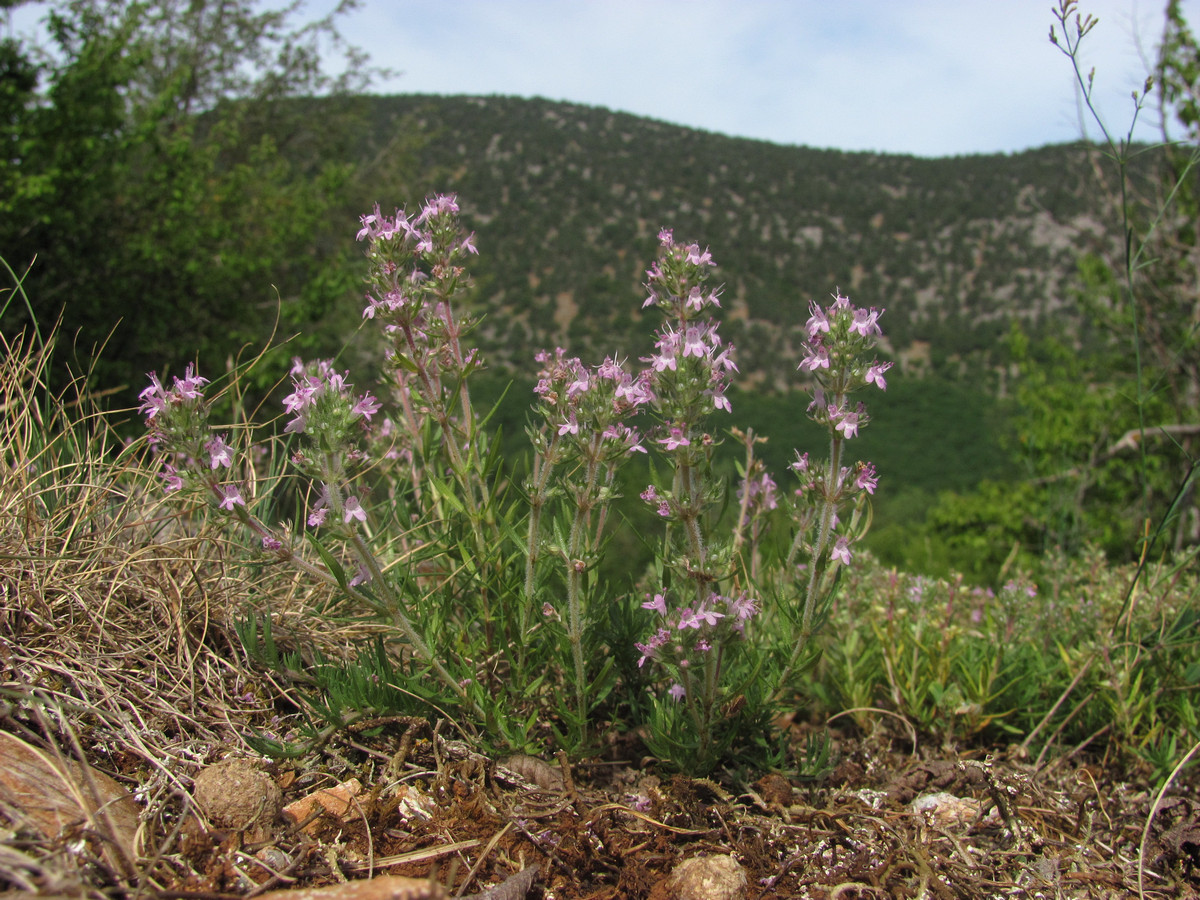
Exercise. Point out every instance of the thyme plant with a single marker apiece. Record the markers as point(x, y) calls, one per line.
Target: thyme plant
point(496, 595)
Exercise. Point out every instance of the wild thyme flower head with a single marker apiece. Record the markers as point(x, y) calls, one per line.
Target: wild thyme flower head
point(416, 273)
point(692, 366)
point(324, 406)
point(193, 456)
point(840, 338)
point(683, 633)
point(177, 422)
point(176, 413)
point(414, 261)
point(676, 279)
point(585, 405)
point(838, 353)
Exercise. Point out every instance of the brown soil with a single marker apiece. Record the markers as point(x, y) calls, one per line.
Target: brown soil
point(431, 807)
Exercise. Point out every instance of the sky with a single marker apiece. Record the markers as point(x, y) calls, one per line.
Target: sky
point(925, 77)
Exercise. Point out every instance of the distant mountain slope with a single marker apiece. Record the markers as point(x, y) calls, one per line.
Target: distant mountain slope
point(567, 201)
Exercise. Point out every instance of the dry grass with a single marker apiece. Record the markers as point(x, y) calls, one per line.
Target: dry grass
point(113, 615)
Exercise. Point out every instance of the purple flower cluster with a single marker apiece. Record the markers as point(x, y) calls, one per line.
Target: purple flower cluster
point(186, 391)
point(684, 635)
point(177, 422)
point(759, 493)
point(691, 366)
point(415, 270)
point(584, 404)
point(318, 389)
point(816, 489)
point(838, 337)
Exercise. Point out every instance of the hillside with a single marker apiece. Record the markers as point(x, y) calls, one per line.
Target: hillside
point(567, 201)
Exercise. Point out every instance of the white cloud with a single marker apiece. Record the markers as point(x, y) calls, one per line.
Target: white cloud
point(932, 77)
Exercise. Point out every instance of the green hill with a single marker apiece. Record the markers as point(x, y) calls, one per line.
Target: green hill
point(567, 201)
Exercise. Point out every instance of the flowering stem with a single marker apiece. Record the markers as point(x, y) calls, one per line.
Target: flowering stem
point(828, 510)
point(739, 530)
point(405, 624)
point(685, 486)
point(543, 467)
point(585, 500)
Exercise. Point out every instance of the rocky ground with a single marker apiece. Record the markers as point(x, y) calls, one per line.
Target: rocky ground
point(890, 820)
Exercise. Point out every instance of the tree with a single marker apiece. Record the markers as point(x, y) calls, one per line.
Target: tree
point(1153, 316)
point(169, 175)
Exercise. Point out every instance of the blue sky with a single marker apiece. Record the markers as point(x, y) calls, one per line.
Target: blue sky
point(928, 77)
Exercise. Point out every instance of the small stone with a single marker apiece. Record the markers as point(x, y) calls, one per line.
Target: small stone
point(274, 858)
point(382, 887)
point(707, 878)
point(234, 794)
point(337, 802)
point(944, 810)
point(775, 790)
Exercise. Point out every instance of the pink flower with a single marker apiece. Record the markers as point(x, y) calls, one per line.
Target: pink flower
point(677, 692)
point(154, 398)
point(817, 358)
point(705, 614)
point(337, 381)
point(174, 482)
point(571, 426)
point(231, 497)
point(696, 258)
point(610, 369)
point(579, 385)
point(663, 361)
point(674, 440)
point(353, 510)
point(220, 452)
point(866, 322)
point(658, 604)
point(841, 551)
point(693, 343)
point(306, 387)
point(867, 479)
point(722, 361)
point(875, 375)
point(632, 392)
point(743, 606)
point(269, 542)
point(651, 647)
point(367, 406)
point(818, 322)
point(848, 424)
point(316, 517)
point(189, 386)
